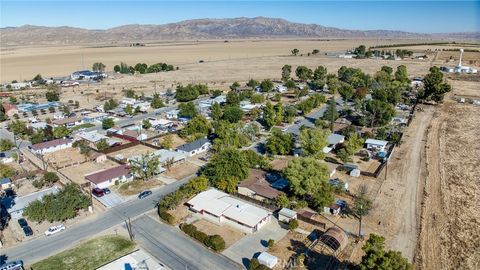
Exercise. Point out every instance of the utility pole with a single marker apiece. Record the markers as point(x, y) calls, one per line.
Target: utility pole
point(360, 223)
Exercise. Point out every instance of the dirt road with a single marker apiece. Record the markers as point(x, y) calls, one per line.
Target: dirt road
point(396, 207)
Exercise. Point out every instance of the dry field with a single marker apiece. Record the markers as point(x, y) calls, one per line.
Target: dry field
point(77, 172)
point(450, 230)
point(136, 150)
point(181, 170)
point(136, 186)
point(65, 157)
point(229, 234)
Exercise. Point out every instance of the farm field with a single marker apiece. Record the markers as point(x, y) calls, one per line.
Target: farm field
point(448, 237)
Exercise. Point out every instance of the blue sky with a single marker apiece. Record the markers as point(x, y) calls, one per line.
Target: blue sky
point(413, 16)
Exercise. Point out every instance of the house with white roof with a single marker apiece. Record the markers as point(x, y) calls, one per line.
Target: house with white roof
point(221, 208)
point(51, 146)
point(333, 140)
point(195, 147)
point(172, 114)
point(377, 145)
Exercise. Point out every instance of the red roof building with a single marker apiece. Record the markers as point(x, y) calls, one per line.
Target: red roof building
point(108, 177)
point(256, 186)
point(10, 109)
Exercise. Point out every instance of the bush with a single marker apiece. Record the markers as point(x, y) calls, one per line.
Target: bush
point(189, 229)
point(271, 242)
point(215, 242)
point(164, 215)
point(200, 236)
point(38, 184)
point(293, 224)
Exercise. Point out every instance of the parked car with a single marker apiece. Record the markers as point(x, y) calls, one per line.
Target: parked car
point(106, 190)
point(55, 229)
point(27, 230)
point(98, 192)
point(22, 222)
point(144, 194)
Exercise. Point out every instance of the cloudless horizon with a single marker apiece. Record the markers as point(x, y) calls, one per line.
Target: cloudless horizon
point(410, 16)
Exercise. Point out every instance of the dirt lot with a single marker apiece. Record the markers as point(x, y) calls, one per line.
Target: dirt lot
point(450, 228)
point(291, 244)
point(77, 173)
point(65, 157)
point(181, 170)
point(136, 186)
point(136, 150)
point(229, 234)
point(177, 141)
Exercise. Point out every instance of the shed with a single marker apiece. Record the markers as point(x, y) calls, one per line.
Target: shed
point(333, 209)
point(5, 183)
point(285, 215)
point(335, 238)
point(373, 144)
point(267, 259)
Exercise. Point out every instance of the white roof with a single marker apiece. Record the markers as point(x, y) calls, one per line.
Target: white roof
point(335, 138)
point(288, 213)
point(267, 259)
point(92, 136)
point(164, 155)
point(161, 121)
point(221, 204)
point(376, 142)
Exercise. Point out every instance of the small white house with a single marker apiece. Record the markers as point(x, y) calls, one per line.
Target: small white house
point(108, 177)
point(51, 146)
point(285, 215)
point(195, 147)
point(173, 114)
point(281, 88)
point(377, 145)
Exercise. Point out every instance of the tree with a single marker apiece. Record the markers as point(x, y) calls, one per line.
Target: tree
point(376, 258)
point(434, 87)
point(282, 201)
point(167, 142)
point(52, 95)
point(128, 109)
point(295, 51)
point(257, 98)
point(227, 165)
point(344, 156)
point(141, 68)
point(278, 113)
point(307, 176)
point(269, 116)
point(346, 91)
point(279, 143)
point(379, 112)
point(187, 110)
point(331, 113)
point(6, 171)
point(286, 71)
point(401, 74)
point(362, 205)
point(98, 67)
point(216, 111)
point(6, 144)
point(37, 78)
point(360, 50)
point(232, 114)
point(146, 166)
point(354, 143)
point(293, 224)
point(312, 141)
point(266, 85)
point(116, 69)
point(320, 73)
point(232, 98)
point(146, 124)
point(61, 132)
point(229, 136)
point(102, 145)
point(186, 93)
point(107, 123)
point(110, 105)
point(253, 83)
point(50, 177)
point(36, 137)
point(156, 102)
point(17, 127)
point(234, 86)
point(303, 73)
point(196, 128)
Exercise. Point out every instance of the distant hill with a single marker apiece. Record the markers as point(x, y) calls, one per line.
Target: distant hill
point(236, 28)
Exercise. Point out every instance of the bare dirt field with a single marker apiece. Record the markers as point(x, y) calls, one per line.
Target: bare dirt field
point(136, 186)
point(450, 230)
point(136, 150)
point(65, 157)
point(77, 172)
point(181, 170)
point(229, 234)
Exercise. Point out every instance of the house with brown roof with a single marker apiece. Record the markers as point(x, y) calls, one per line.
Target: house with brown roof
point(68, 122)
point(256, 186)
point(108, 177)
point(10, 109)
point(51, 146)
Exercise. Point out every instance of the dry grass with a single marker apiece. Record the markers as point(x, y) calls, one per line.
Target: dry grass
point(136, 150)
point(136, 186)
point(77, 172)
point(181, 170)
point(229, 234)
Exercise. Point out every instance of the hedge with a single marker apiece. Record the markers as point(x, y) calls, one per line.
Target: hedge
point(166, 216)
point(215, 242)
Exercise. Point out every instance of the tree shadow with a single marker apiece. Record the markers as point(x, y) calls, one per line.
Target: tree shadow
point(3, 259)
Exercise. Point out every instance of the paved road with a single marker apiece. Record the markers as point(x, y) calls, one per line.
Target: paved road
point(37, 249)
point(175, 249)
point(5, 134)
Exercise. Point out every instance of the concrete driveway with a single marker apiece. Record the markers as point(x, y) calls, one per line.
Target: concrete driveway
point(244, 249)
point(111, 200)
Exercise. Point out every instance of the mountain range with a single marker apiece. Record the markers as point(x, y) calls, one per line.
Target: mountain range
point(202, 29)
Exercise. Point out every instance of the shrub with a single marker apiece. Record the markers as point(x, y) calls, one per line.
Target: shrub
point(271, 242)
point(166, 216)
point(293, 224)
point(189, 229)
point(215, 242)
point(38, 183)
point(200, 236)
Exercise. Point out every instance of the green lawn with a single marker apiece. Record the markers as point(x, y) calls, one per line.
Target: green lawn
point(86, 125)
point(89, 255)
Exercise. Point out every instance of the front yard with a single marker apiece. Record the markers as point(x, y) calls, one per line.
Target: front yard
point(136, 186)
point(89, 255)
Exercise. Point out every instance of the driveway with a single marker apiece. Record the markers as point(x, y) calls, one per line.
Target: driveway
point(244, 249)
point(110, 200)
point(175, 249)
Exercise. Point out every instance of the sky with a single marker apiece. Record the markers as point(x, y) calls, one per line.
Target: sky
point(411, 16)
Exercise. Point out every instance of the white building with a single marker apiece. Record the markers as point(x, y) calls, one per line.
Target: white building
point(221, 208)
point(51, 146)
point(195, 147)
point(172, 114)
point(281, 88)
point(377, 145)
